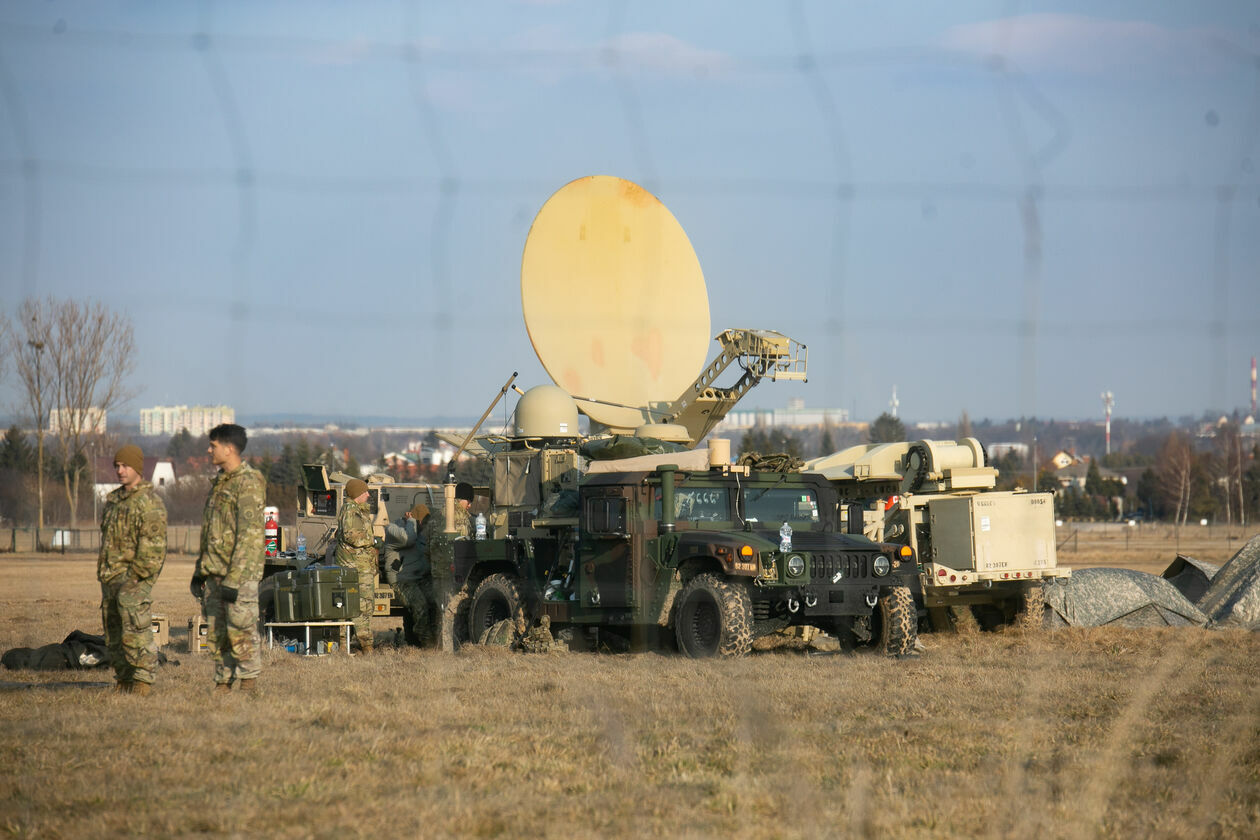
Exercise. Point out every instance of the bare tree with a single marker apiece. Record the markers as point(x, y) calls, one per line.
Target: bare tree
point(1231, 465)
point(92, 350)
point(1174, 469)
point(27, 346)
point(964, 426)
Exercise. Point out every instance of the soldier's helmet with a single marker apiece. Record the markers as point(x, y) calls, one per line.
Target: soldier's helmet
point(546, 411)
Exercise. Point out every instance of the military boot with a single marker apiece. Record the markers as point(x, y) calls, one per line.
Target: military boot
point(222, 688)
point(141, 688)
point(247, 685)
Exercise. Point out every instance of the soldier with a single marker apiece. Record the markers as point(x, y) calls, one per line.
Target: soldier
point(415, 584)
point(133, 551)
point(230, 563)
point(356, 549)
point(440, 544)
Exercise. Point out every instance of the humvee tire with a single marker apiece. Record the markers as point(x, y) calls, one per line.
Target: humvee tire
point(454, 622)
point(714, 617)
point(498, 597)
point(898, 622)
point(1032, 611)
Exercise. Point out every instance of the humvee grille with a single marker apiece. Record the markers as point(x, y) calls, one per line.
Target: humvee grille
point(823, 567)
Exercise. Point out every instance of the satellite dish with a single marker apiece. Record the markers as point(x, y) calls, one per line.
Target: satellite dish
point(614, 300)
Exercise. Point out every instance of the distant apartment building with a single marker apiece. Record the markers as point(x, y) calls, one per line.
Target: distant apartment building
point(90, 422)
point(796, 415)
point(167, 420)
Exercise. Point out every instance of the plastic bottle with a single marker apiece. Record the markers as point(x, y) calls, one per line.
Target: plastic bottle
point(480, 524)
point(785, 537)
point(301, 550)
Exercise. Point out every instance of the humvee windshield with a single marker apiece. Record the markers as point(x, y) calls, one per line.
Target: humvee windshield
point(781, 504)
point(700, 504)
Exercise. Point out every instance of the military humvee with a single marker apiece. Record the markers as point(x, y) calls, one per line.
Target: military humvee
point(716, 554)
point(983, 554)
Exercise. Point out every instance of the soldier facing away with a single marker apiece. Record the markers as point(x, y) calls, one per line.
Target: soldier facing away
point(230, 562)
point(356, 549)
point(133, 551)
point(415, 584)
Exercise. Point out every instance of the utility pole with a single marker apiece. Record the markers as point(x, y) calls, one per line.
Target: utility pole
point(1034, 464)
point(1109, 402)
point(38, 347)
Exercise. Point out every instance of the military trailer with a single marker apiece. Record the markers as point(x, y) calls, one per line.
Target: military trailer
point(319, 499)
point(983, 554)
point(714, 555)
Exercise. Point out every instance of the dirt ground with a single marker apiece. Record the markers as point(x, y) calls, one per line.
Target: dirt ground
point(1073, 733)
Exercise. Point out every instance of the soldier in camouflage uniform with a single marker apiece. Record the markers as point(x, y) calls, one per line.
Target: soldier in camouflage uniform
point(230, 563)
point(133, 550)
point(441, 547)
point(356, 549)
point(415, 584)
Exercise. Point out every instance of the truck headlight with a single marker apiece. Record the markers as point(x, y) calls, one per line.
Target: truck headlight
point(881, 565)
point(795, 565)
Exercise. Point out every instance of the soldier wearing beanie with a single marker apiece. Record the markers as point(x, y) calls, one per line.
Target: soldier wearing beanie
point(356, 549)
point(133, 551)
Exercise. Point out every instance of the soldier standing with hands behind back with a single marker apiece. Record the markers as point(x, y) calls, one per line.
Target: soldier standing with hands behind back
point(356, 549)
point(133, 551)
point(231, 561)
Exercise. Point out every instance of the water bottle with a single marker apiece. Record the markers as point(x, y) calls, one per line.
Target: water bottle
point(301, 551)
point(480, 524)
point(785, 538)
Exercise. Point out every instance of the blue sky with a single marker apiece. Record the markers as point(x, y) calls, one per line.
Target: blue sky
point(999, 208)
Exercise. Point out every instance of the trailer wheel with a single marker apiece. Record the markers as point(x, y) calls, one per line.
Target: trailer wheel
point(498, 597)
point(714, 617)
point(898, 622)
point(1032, 611)
point(964, 619)
point(454, 622)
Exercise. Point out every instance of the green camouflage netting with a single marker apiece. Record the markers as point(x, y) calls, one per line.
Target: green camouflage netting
point(1233, 599)
point(775, 462)
point(1123, 597)
point(627, 446)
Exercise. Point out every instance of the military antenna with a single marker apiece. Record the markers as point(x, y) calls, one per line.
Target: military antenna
point(450, 466)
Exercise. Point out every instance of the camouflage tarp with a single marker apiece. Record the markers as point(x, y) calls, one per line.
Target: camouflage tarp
point(1233, 599)
point(774, 462)
point(1191, 577)
point(1127, 598)
point(627, 446)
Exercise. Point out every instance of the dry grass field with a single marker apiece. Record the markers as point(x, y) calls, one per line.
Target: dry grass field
point(1072, 733)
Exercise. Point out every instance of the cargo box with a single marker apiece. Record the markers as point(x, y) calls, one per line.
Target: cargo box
point(161, 630)
point(325, 593)
point(197, 634)
point(284, 595)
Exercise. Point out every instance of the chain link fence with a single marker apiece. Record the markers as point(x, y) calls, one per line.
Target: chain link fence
point(180, 539)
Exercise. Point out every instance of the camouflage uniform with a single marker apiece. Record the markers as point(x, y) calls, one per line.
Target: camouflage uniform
point(441, 549)
point(133, 551)
point(415, 584)
point(356, 549)
point(232, 556)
